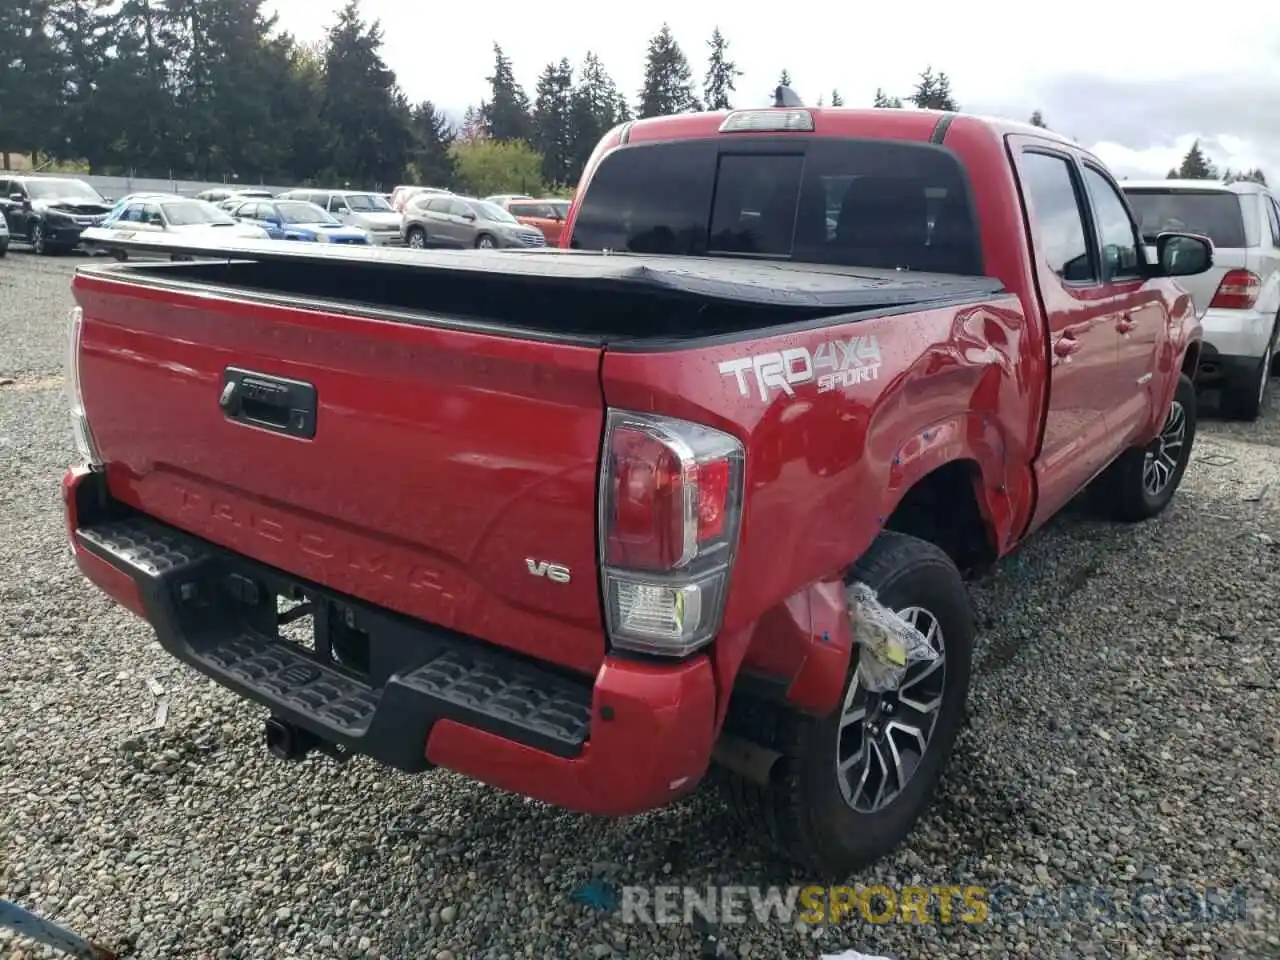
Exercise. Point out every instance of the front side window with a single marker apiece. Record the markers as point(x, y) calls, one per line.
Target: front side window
point(874, 203)
point(1119, 240)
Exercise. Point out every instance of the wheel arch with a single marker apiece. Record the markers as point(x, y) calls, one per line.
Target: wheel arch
point(949, 506)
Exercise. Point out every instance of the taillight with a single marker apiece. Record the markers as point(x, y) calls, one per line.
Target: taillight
point(670, 508)
point(1237, 291)
point(85, 446)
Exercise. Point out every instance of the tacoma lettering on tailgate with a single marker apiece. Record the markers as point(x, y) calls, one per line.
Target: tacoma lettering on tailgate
point(835, 363)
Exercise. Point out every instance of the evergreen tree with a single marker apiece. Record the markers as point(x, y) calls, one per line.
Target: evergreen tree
point(1037, 120)
point(784, 80)
point(473, 123)
point(135, 100)
point(1195, 166)
point(506, 115)
point(31, 82)
point(81, 33)
point(1248, 176)
point(553, 122)
point(433, 139)
point(884, 101)
point(363, 104)
point(668, 81)
point(597, 107)
point(836, 99)
point(722, 74)
point(934, 92)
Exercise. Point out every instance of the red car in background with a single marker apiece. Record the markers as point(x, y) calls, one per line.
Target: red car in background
point(547, 215)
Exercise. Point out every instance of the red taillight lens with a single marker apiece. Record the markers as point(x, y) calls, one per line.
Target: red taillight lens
point(1237, 291)
point(671, 503)
point(646, 525)
point(713, 499)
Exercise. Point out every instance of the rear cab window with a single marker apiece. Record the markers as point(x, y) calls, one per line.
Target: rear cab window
point(860, 203)
point(1215, 214)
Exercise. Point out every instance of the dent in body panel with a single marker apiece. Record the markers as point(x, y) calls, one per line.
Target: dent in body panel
point(820, 474)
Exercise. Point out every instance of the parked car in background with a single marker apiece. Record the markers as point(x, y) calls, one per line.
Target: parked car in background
point(169, 213)
point(50, 213)
point(298, 220)
point(218, 194)
point(369, 211)
point(547, 215)
point(1239, 298)
point(403, 194)
point(453, 221)
point(239, 196)
point(501, 198)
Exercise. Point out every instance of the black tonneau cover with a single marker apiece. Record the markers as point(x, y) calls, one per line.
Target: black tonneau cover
point(729, 280)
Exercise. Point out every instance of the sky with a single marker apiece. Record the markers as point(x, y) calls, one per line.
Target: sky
point(1155, 81)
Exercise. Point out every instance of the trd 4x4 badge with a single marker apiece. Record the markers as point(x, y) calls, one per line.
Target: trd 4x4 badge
point(836, 363)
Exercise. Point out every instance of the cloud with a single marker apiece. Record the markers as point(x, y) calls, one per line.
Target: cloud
point(1142, 127)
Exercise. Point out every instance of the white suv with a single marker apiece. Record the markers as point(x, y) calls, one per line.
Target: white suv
point(1239, 298)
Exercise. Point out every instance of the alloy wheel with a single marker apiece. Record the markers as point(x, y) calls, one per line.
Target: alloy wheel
point(1164, 452)
point(883, 736)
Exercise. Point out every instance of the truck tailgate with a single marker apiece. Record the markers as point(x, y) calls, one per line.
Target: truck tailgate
point(445, 470)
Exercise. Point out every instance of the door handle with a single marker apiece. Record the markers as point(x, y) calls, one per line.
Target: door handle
point(1064, 347)
point(269, 402)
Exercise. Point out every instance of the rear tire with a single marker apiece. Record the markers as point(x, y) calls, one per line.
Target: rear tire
point(805, 813)
point(1246, 397)
point(4, 248)
point(417, 238)
point(1143, 480)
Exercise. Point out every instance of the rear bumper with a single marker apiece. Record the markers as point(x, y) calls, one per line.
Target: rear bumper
point(1237, 333)
point(634, 738)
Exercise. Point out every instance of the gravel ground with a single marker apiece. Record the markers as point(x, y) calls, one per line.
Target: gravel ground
point(1124, 732)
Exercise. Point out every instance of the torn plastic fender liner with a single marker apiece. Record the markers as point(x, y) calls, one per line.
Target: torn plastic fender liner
point(888, 645)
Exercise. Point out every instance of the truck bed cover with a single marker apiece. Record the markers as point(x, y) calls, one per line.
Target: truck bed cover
point(755, 282)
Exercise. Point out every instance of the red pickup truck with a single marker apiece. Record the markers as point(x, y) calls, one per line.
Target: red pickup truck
point(579, 522)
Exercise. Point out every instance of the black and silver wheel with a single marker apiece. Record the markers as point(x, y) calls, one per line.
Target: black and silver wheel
point(4, 248)
point(849, 787)
point(39, 243)
point(884, 736)
point(1144, 479)
point(1245, 398)
point(485, 242)
point(417, 238)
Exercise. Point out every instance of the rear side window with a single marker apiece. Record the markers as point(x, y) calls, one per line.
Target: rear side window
point(1214, 214)
point(887, 204)
point(1056, 215)
point(1273, 219)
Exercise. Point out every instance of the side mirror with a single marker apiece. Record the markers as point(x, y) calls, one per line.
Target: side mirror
point(468, 216)
point(273, 221)
point(17, 198)
point(1183, 254)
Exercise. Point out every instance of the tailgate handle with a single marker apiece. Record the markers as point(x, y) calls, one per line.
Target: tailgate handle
point(272, 403)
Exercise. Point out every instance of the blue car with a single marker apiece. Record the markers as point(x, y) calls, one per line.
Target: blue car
point(297, 220)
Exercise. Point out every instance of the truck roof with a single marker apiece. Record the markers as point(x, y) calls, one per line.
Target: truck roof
point(908, 123)
point(1195, 186)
